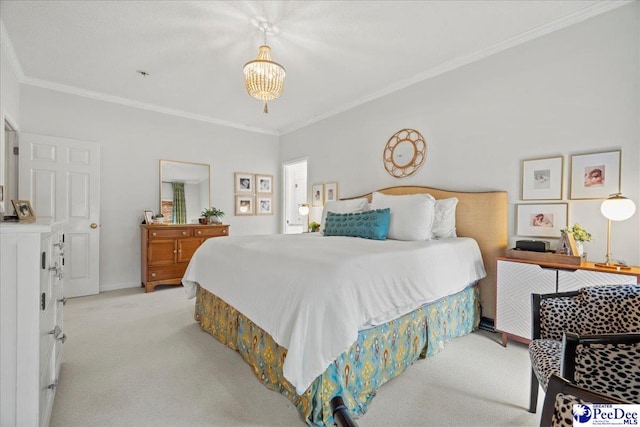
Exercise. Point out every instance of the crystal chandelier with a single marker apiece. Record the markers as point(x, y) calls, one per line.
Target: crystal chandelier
point(264, 78)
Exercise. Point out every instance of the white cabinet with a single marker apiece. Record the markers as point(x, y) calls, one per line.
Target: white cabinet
point(32, 333)
point(517, 280)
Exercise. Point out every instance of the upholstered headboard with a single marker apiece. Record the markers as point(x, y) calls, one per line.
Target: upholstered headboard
point(482, 216)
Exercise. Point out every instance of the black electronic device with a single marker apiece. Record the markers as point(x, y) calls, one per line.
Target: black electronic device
point(532, 245)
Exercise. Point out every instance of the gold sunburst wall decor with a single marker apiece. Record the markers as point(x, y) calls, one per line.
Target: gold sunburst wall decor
point(404, 153)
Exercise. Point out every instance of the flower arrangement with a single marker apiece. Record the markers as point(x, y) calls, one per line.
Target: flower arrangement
point(314, 226)
point(579, 233)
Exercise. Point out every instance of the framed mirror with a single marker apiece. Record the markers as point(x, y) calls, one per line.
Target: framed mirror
point(184, 191)
point(404, 153)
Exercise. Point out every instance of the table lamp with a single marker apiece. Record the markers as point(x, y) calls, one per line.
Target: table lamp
point(615, 208)
point(304, 211)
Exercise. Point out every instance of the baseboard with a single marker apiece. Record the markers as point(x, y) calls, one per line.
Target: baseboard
point(116, 286)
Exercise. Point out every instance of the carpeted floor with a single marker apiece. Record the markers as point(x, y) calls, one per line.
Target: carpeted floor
point(136, 359)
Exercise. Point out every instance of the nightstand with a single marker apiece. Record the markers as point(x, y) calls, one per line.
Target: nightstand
point(517, 279)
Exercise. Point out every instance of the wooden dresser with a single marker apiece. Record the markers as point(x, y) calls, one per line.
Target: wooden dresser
point(167, 249)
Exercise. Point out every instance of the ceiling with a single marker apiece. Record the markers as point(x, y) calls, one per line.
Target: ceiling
point(338, 54)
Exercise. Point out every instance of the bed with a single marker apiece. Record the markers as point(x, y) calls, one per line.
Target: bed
point(318, 316)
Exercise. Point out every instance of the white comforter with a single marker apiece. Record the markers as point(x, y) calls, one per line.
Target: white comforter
point(313, 293)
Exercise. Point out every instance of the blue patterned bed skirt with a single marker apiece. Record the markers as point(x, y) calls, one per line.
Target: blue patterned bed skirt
point(379, 354)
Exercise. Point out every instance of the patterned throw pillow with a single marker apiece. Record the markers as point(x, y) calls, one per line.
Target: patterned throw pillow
point(369, 225)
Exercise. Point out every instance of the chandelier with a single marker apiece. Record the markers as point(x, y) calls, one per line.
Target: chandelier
point(264, 78)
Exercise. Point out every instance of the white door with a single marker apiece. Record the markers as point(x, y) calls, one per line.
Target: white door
point(295, 194)
point(61, 178)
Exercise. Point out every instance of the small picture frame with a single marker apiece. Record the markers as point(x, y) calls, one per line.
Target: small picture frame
point(148, 217)
point(244, 205)
point(264, 184)
point(317, 195)
point(23, 210)
point(244, 183)
point(541, 220)
point(330, 192)
point(264, 205)
point(595, 176)
point(567, 244)
point(542, 179)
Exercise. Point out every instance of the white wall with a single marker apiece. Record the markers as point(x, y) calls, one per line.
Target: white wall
point(571, 92)
point(132, 142)
point(9, 111)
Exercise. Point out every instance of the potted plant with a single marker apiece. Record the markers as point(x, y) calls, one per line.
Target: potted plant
point(213, 215)
point(158, 219)
point(314, 226)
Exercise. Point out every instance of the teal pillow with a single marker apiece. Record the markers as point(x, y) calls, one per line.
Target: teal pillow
point(369, 225)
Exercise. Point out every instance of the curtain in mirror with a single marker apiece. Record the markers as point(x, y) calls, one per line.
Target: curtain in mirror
point(179, 215)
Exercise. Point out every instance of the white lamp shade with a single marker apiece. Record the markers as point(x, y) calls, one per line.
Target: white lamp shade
point(618, 208)
point(303, 210)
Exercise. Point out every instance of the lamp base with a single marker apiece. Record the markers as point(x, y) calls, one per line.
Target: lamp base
point(612, 265)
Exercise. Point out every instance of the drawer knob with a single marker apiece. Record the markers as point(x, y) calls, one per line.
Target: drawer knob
point(153, 274)
point(63, 300)
point(199, 232)
point(52, 386)
point(55, 331)
point(62, 338)
point(184, 233)
point(224, 231)
point(154, 234)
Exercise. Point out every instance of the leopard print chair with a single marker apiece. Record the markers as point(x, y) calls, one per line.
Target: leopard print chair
point(561, 395)
point(590, 337)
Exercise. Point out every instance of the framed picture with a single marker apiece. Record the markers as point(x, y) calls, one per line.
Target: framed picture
point(23, 209)
point(264, 205)
point(244, 183)
point(567, 244)
point(544, 220)
point(264, 183)
point(148, 217)
point(595, 176)
point(244, 205)
point(330, 192)
point(317, 191)
point(542, 179)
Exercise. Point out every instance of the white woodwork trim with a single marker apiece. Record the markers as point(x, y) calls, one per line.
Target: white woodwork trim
point(8, 49)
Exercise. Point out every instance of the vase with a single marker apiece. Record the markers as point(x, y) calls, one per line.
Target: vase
point(214, 220)
point(580, 247)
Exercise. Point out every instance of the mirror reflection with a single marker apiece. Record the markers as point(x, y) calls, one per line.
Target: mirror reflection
point(184, 191)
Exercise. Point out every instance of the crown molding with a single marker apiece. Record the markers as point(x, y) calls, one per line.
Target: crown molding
point(29, 81)
point(7, 47)
point(566, 21)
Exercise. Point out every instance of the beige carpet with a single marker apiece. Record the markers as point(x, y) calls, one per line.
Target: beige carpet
point(136, 359)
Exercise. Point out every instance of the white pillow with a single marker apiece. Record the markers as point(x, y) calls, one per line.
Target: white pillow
point(411, 215)
point(444, 218)
point(343, 206)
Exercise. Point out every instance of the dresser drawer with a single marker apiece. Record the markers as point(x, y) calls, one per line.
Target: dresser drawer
point(159, 233)
point(212, 231)
point(167, 272)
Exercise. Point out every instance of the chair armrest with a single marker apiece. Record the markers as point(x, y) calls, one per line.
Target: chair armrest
point(552, 314)
point(571, 341)
point(570, 391)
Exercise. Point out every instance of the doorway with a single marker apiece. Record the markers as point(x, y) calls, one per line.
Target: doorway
point(295, 194)
point(9, 179)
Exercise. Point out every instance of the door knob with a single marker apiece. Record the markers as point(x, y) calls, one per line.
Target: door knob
point(94, 225)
